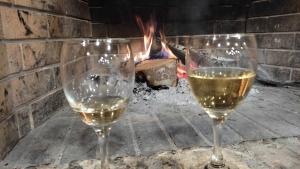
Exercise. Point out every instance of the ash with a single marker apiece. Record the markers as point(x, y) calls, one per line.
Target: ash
point(179, 95)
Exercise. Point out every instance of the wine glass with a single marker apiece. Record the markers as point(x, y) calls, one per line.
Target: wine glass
point(221, 70)
point(98, 79)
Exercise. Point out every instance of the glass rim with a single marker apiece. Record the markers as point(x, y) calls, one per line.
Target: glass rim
point(88, 41)
point(211, 35)
point(96, 40)
point(224, 34)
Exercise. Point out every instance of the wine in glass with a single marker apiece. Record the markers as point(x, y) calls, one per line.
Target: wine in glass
point(221, 71)
point(98, 79)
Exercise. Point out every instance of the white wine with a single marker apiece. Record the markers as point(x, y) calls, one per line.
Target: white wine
point(101, 111)
point(220, 89)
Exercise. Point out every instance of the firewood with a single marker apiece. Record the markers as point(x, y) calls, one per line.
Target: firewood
point(159, 72)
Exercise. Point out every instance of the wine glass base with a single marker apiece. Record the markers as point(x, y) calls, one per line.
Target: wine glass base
point(226, 166)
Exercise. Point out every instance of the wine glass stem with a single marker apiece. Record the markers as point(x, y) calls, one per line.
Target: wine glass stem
point(217, 160)
point(103, 135)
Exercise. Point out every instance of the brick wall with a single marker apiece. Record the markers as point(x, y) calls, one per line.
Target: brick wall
point(275, 22)
point(277, 26)
point(31, 36)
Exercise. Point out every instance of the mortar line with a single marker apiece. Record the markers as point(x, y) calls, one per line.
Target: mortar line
point(294, 41)
point(274, 16)
point(231, 128)
point(197, 131)
point(281, 50)
point(22, 57)
point(61, 153)
point(38, 98)
point(218, 20)
point(28, 104)
point(258, 1)
point(44, 39)
point(162, 127)
point(276, 33)
point(27, 72)
point(48, 29)
point(18, 125)
point(31, 118)
point(133, 137)
point(96, 7)
point(242, 33)
point(256, 124)
point(274, 66)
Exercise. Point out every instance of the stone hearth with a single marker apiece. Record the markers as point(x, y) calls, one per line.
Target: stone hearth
point(168, 125)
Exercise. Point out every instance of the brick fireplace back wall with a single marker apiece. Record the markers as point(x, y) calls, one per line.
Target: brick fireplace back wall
point(31, 37)
point(275, 22)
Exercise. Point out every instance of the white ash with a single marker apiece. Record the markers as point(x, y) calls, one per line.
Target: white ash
point(179, 95)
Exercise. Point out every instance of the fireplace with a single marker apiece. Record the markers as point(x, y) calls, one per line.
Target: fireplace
point(32, 35)
point(273, 22)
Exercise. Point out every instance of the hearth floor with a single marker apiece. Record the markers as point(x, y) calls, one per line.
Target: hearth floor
point(264, 132)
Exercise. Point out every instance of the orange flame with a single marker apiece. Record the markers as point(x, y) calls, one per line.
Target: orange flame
point(149, 30)
point(165, 47)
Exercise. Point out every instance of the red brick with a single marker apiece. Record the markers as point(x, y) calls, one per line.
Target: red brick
point(11, 59)
point(31, 86)
point(22, 24)
point(38, 54)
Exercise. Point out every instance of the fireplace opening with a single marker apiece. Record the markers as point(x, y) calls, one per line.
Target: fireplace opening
point(38, 128)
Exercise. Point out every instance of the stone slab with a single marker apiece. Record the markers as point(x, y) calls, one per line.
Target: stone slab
point(247, 128)
point(149, 136)
point(272, 123)
point(183, 135)
point(43, 146)
point(204, 125)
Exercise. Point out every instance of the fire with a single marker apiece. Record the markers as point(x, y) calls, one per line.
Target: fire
point(181, 70)
point(149, 30)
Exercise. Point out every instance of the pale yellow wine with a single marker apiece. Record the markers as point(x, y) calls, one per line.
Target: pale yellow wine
point(102, 111)
point(220, 89)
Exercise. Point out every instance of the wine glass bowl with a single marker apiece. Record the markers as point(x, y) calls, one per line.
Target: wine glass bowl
point(98, 79)
point(221, 70)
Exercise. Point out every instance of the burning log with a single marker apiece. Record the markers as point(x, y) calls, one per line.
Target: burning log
point(178, 50)
point(158, 72)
